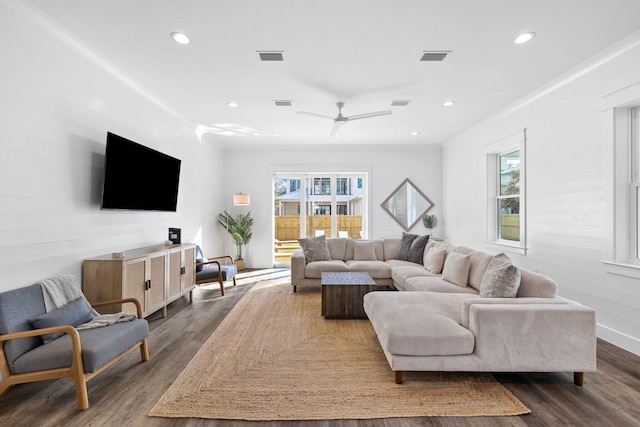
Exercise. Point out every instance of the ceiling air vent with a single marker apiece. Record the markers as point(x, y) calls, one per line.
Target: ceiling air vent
point(400, 102)
point(283, 103)
point(434, 56)
point(271, 56)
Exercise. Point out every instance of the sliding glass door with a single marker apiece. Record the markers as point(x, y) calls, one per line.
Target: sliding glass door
point(314, 204)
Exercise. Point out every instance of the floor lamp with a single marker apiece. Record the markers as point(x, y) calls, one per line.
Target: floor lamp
point(239, 199)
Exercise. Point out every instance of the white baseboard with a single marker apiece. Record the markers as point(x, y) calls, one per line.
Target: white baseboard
point(619, 339)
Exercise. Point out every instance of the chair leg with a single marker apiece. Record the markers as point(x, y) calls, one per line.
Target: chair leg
point(234, 280)
point(221, 286)
point(81, 391)
point(144, 350)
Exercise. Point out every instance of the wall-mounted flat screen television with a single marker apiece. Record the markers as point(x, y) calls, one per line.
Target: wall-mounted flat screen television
point(138, 178)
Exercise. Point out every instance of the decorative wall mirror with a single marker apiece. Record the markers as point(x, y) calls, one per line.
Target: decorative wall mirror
point(407, 204)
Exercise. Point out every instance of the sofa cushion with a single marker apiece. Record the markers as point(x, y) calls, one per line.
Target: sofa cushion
point(377, 269)
point(401, 273)
point(315, 269)
point(436, 284)
point(99, 346)
point(405, 245)
point(364, 250)
point(350, 251)
point(456, 269)
point(419, 323)
point(416, 251)
point(337, 248)
point(501, 280)
point(434, 260)
point(391, 247)
point(74, 313)
point(315, 248)
point(479, 263)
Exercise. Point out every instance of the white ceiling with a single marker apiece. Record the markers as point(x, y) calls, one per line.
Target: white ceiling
point(363, 52)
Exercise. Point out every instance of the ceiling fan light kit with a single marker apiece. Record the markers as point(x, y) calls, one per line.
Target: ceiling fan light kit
point(340, 120)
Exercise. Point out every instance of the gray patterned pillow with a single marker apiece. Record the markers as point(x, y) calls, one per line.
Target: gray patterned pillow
point(315, 249)
point(501, 280)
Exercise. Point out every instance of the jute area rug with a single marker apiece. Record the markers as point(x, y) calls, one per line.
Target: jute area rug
point(275, 357)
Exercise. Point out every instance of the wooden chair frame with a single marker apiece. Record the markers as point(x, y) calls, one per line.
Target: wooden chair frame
point(76, 370)
point(218, 279)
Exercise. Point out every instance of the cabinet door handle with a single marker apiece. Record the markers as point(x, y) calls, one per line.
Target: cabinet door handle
point(183, 270)
point(148, 284)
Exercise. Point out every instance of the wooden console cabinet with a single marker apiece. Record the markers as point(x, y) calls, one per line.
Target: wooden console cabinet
point(155, 276)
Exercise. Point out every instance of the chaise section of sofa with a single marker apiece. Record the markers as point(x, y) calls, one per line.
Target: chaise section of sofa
point(437, 325)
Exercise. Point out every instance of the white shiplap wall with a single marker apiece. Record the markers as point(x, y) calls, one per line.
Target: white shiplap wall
point(568, 168)
point(57, 102)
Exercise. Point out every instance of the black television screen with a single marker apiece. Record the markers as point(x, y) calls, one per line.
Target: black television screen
point(138, 178)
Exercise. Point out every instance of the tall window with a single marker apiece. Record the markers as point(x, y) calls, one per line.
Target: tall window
point(634, 183)
point(506, 192)
point(508, 199)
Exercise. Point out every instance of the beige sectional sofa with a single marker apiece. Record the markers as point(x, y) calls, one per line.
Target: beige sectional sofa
point(452, 320)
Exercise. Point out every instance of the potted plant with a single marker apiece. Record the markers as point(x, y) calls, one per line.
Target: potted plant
point(430, 222)
point(240, 229)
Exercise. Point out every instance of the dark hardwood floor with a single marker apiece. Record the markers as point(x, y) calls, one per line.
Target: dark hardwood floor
point(124, 394)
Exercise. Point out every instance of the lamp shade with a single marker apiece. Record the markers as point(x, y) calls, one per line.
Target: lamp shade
point(241, 199)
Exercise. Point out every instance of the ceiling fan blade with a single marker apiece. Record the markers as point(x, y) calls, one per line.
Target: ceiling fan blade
point(306, 113)
point(366, 115)
point(336, 125)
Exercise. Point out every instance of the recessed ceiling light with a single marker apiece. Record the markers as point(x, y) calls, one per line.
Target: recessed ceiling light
point(232, 104)
point(448, 103)
point(255, 133)
point(180, 38)
point(414, 133)
point(525, 37)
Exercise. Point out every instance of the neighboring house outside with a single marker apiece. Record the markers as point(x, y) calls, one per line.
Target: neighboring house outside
point(318, 195)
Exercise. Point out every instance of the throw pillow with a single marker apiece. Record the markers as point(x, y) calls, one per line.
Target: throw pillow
point(405, 245)
point(434, 260)
point(501, 279)
point(456, 269)
point(75, 313)
point(364, 250)
point(315, 249)
point(416, 251)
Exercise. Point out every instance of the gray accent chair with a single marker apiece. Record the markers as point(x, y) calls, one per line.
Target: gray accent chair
point(80, 355)
point(217, 269)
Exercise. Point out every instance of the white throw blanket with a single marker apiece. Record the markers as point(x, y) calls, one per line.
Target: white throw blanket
point(61, 290)
point(106, 320)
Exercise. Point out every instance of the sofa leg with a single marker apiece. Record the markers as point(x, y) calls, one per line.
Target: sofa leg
point(234, 281)
point(222, 287)
point(398, 377)
point(295, 288)
point(578, 378)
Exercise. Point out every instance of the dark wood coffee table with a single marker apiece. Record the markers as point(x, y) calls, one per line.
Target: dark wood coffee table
point(342, 294)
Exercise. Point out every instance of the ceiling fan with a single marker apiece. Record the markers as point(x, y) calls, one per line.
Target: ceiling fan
point(340, 120)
